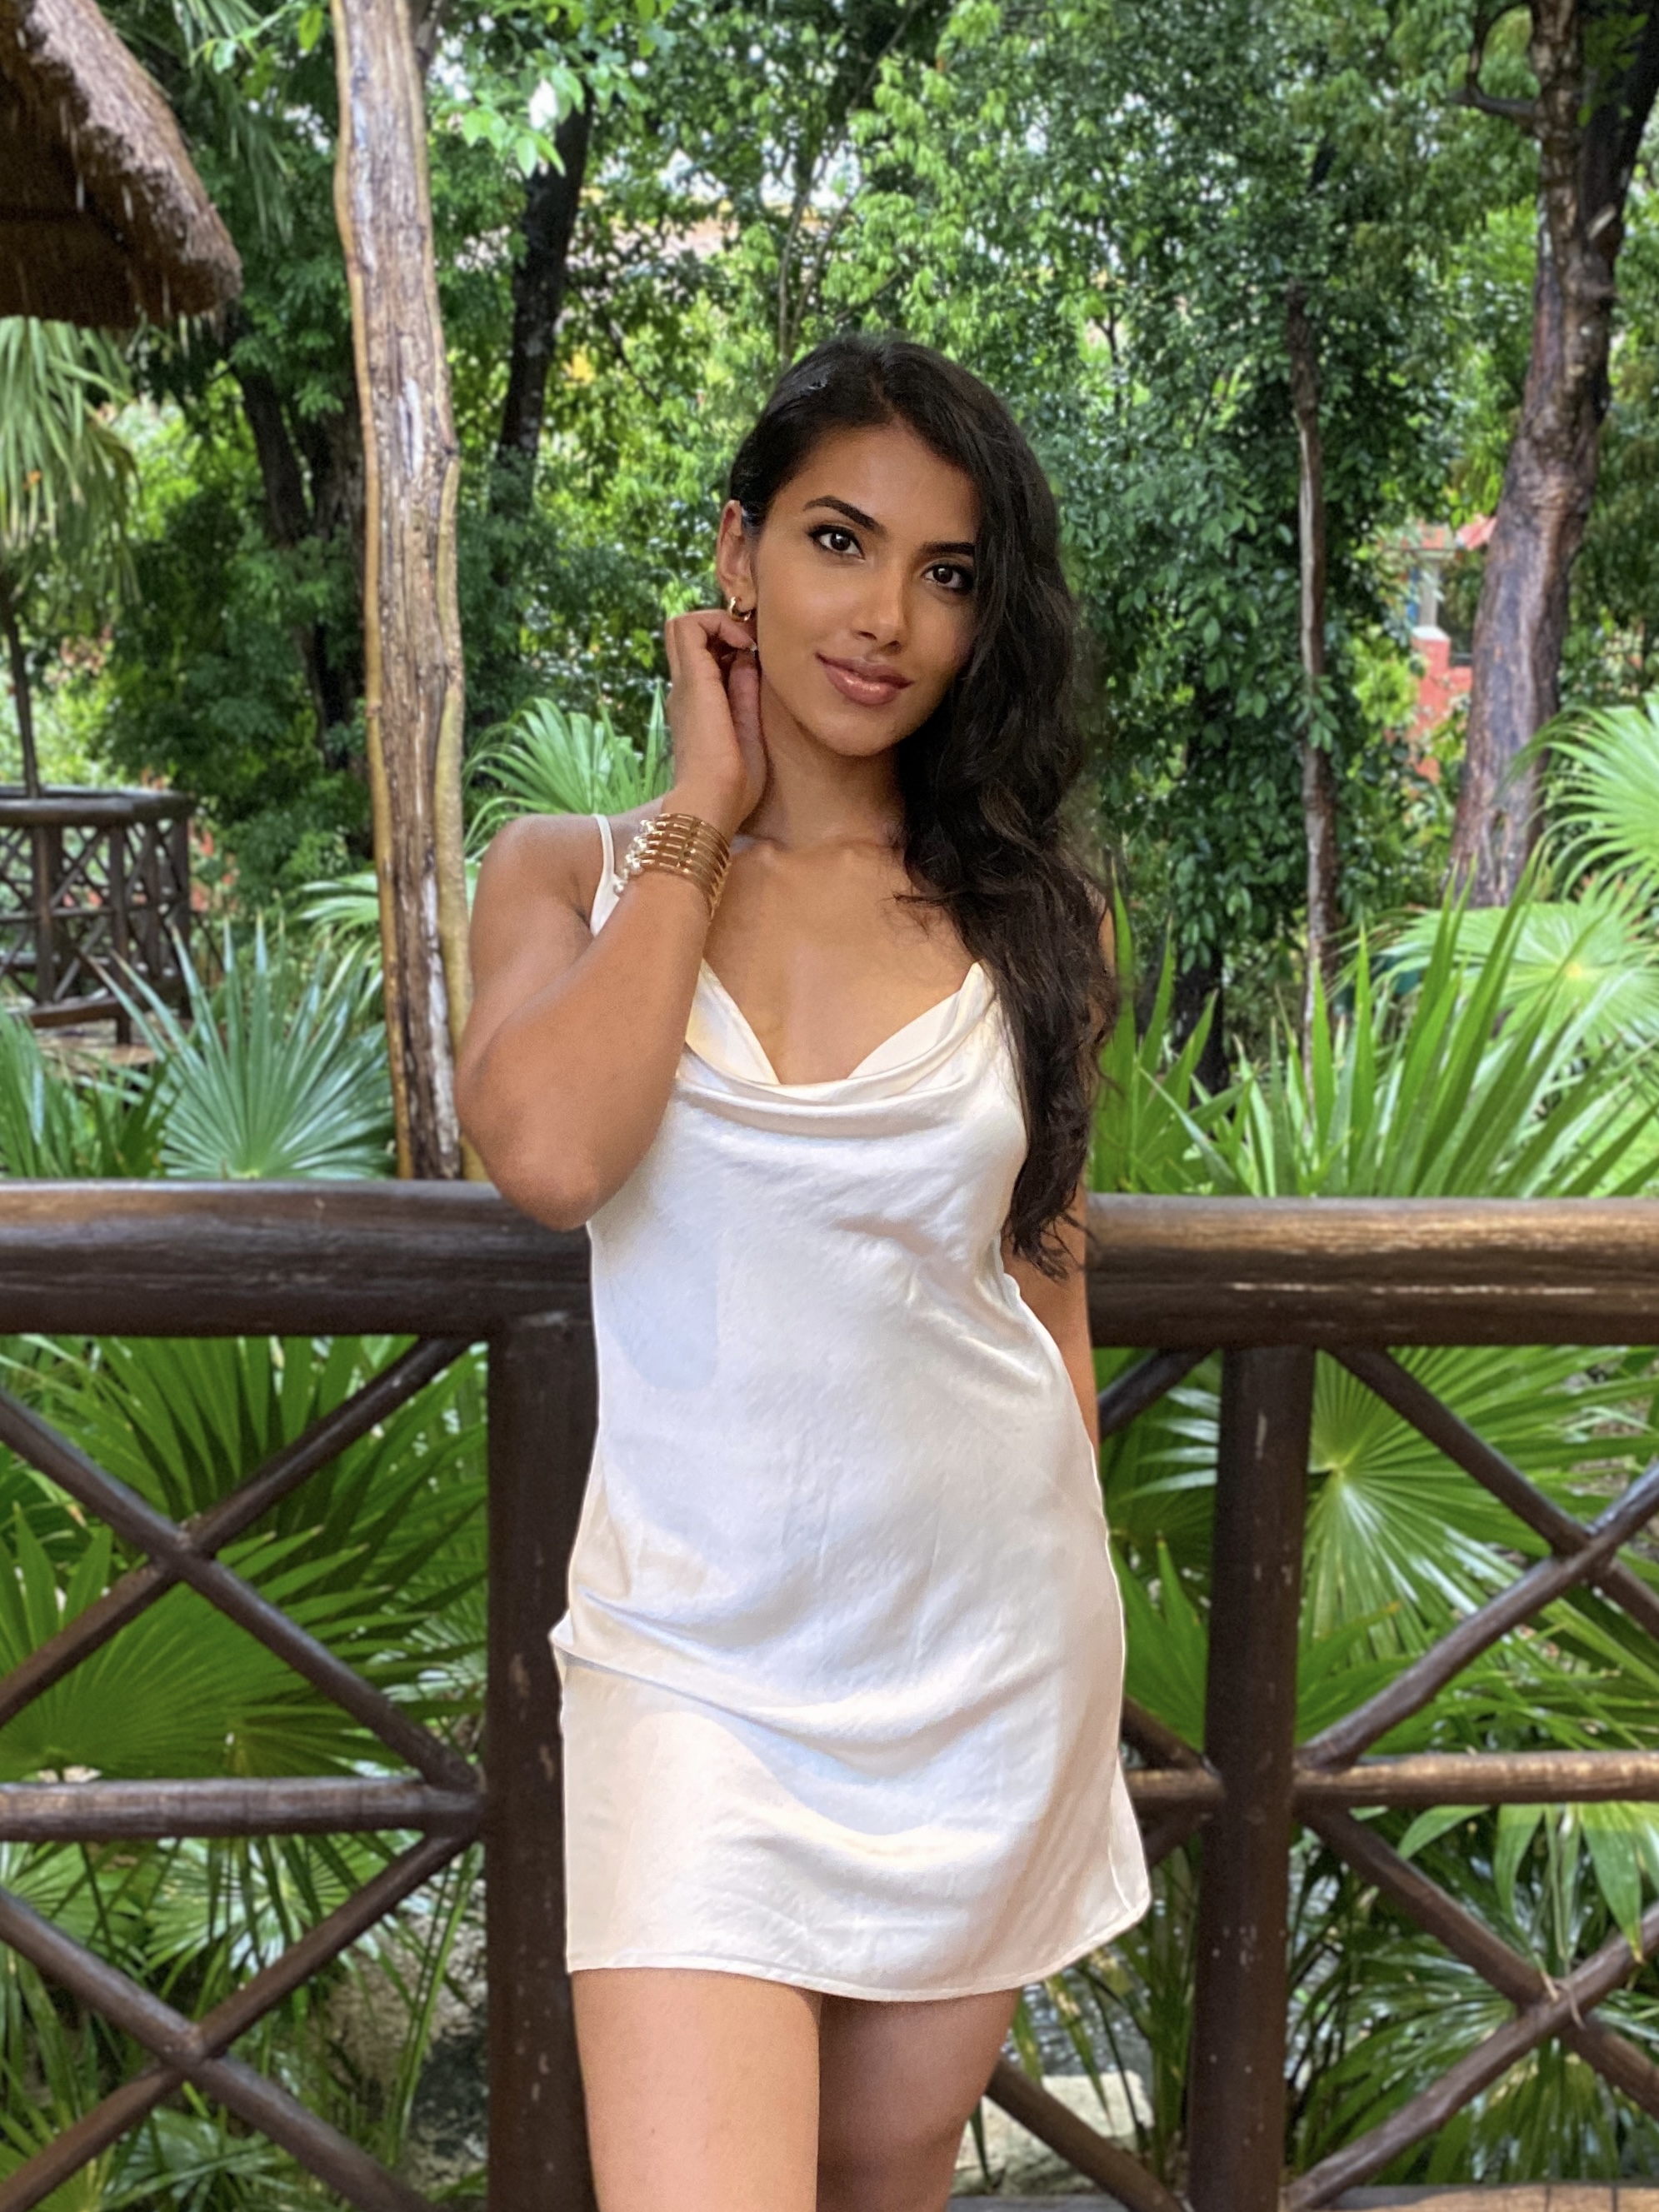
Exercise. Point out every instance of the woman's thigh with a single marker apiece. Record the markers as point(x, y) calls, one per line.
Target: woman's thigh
point(897, 2084)
point(702, 2090)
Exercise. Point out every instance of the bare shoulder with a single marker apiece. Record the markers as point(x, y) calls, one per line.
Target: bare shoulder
point(539, 858)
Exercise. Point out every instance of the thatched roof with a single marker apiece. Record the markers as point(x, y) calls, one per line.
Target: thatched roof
point(102, 218)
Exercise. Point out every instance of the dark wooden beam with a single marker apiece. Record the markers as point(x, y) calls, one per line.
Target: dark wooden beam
point(1172, 1272)
point(1179, 1276)
point(1081, 2146)
point(76, 1812)
point(1236, 2076)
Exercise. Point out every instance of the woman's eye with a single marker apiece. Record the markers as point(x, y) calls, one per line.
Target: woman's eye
point(949, 577)
point(835, 539)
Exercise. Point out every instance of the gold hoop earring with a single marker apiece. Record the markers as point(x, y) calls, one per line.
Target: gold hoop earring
point(738, 613)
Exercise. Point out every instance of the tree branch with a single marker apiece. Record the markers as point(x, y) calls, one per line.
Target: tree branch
point(286, 505)
point(1638, 93)
point(1523, 112)
point(551, 202)
point(790, 321)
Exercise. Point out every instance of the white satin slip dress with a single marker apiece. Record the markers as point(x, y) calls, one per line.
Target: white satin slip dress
point(844, 1658)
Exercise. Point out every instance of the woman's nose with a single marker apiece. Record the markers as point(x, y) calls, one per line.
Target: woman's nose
point(881, 612)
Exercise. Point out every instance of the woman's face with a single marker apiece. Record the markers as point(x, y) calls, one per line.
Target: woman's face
point(862, 584)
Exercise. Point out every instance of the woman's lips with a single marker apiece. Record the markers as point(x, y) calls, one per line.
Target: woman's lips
point(864, 686)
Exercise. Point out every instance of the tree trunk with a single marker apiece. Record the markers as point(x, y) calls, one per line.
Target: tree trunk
point(1318, 779)
point(1596, 89)
point(18, 662)
point(413, 695)
point(551, 198)
point(333, 679)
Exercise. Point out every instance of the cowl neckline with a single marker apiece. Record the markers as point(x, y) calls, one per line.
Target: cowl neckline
point(721, 1040)
point(721, 1036)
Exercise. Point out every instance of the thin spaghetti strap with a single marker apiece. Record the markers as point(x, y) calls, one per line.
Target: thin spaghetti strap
point(606, 897)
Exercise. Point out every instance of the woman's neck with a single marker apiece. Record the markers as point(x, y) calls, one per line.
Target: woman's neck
point(816, 796)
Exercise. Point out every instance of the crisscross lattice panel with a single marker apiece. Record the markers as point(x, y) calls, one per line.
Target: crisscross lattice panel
point(446, 1802)
point(92, 884)
point(1176, 1791)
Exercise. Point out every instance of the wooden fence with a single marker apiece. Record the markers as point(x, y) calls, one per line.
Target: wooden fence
point(93, 885)
point(1266, 1284)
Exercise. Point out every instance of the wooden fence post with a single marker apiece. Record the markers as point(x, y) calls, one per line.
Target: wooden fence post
point(1235, 2079)
point(543, 1400)
point(413, 698)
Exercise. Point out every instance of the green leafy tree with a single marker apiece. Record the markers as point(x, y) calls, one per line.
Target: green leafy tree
point(1102, 209)
point(65, 476)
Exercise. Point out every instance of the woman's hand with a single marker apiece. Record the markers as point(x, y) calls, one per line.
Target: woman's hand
point(573, 1042)
point(713, 713)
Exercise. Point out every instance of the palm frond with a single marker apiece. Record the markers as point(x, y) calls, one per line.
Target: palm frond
point(1593, 957)
point(547, 761)
point(279, 1071)
point(66, 474)
point(1604, 795)
point(68, 1125)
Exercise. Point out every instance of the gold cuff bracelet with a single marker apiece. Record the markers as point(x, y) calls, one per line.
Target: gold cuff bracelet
point(682, 845)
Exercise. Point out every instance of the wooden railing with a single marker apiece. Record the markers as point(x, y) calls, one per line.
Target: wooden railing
point(1265, 1284)
point(95, 886)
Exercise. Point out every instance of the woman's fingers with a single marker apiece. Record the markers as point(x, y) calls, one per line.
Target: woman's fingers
point(717, 762)
point(698, 635)
point(742, 690)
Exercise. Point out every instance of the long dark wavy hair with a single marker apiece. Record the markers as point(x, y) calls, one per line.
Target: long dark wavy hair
point(986, 778)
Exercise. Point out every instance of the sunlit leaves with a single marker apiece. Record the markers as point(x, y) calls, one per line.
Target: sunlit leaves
point(550, 761)
point(377, 1555)
point(279, 1071)
point(1604, 795)
point(66, 480)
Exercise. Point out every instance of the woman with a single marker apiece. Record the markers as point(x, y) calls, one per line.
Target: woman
point(842, 1664)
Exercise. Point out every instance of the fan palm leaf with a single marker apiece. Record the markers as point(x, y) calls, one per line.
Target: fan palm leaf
point(369, 1555)
point(1594, 956)
point(1604, 797)
point(279, 1071)
point(547, 761)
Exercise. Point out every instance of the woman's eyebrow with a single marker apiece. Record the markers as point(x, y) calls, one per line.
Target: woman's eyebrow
point(853, 513)
point(964, 546)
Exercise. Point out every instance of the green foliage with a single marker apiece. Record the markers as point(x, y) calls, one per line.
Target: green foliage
point(65, 477)
point(64, 472)
point(1101, 209)
point(1592, 957)
point(548, 761)
point(279, 1070)
point(1488, 1055)
point(67, 1127)
point(367, 1555)
point(381, 1555)
point(203, 684)
point(1605, 796)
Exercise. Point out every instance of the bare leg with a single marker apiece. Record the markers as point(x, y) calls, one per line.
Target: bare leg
point(702, 2090)
point(898, 2085)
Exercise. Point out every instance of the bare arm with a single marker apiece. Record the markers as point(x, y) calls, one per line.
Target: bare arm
point(571, 1047)
point(1063, 1308)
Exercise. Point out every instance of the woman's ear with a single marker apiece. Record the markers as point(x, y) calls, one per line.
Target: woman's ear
point(734, 562)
